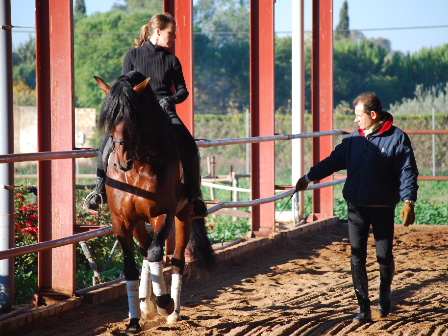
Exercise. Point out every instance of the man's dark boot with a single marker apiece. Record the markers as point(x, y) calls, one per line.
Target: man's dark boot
point(360, 282)
point(97, 197)
point(198, 208)
point(386, 276)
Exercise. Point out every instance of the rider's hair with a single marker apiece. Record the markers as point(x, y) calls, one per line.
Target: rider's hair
point(160, 21)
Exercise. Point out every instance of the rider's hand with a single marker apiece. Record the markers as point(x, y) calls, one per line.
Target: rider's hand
point(301, 184)
point(408, 214)
point(166, 103)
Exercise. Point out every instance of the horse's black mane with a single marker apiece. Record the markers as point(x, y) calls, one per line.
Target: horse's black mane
point(141, 113)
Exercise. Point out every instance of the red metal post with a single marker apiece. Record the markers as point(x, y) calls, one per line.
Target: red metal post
point(55, 120)
point(262, 112)
point(322, 97)
point(182, 11)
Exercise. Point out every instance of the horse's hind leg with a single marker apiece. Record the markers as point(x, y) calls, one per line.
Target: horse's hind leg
point(162, 226)
point(147, 307)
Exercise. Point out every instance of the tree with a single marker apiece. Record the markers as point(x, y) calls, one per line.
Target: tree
point(102, 54)
point(153, 6)
point(221, 55)
point(24, 63)
point(80, 7)
point(343, 25)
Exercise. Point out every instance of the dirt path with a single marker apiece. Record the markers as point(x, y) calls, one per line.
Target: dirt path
point(300, 288)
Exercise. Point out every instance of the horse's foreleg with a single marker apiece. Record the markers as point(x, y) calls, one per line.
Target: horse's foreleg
point(146, 305)
point(162, 226)
point(131, 275)
point(183, 230)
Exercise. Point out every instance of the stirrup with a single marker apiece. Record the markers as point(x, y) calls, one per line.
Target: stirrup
point(198, 208)
point(90, 204)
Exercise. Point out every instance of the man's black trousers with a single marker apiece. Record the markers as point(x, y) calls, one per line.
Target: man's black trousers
point(382, 221)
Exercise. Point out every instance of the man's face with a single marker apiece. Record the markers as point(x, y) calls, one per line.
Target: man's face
point(363, 119)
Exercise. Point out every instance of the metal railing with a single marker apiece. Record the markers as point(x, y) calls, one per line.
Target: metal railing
point(86, 153)
point(46, 245)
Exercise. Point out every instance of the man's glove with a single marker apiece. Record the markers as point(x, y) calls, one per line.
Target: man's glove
point(166, 103)
point(408, 214)
point(301, 184)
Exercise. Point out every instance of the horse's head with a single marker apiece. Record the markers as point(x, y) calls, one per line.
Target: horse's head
point(122, 126)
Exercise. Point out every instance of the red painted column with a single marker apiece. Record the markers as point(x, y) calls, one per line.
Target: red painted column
point(182, 11)
point(55, 122)
point(322, 97)
point(262, 112)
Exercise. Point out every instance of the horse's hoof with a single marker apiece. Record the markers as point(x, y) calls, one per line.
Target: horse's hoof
point(174, 317)
point(168, 309)
point(147, 308)
point(133, 327)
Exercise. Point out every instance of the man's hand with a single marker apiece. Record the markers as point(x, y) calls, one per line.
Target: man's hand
point(165, 103)
point(301, 184)
point(408, 214)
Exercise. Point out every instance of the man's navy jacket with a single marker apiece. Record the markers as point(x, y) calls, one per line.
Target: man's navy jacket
point(380, 170)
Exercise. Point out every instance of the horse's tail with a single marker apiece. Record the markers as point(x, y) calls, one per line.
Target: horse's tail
point(201, 247)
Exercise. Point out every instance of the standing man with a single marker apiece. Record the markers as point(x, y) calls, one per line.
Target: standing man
point(381, 169)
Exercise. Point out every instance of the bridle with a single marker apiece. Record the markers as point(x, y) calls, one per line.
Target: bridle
point(122, 141)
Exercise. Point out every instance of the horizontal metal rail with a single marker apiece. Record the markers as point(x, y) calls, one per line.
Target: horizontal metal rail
point(42, 156)
point(18, 251)
point(49, 244)
point(270, 199)
point(213, 143)
point(86, 153)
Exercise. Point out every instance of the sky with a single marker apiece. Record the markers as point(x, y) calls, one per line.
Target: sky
point(363, 14)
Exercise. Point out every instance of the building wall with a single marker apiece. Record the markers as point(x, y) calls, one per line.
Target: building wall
point(25, 130)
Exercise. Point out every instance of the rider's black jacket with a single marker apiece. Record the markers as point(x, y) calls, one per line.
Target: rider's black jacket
point(162, 66)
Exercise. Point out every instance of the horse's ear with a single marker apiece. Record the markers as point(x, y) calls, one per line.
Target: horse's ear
point(140, 87)
point(103, 86)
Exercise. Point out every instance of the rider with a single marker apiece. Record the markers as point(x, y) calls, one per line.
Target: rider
point(150, 58)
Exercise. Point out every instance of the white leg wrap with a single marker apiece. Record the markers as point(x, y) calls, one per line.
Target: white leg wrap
point(146, 305)
point(145, 281)
point(134, 306)
point(158, 283)
point(176, 284)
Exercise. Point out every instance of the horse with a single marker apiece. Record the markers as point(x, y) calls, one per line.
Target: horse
point(145, 184)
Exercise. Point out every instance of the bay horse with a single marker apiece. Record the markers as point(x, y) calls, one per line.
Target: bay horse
point(145, 184)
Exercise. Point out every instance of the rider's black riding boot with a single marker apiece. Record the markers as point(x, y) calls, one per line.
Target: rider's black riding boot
point(198, 208)
point(360, 282)
point(98, 196)
point(386, 276)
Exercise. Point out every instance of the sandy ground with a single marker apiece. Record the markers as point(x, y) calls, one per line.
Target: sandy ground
point(303, 287)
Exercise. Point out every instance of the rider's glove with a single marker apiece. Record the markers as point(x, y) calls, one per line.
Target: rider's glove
point(166, 103)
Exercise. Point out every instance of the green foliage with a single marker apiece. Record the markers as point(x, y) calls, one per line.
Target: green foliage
point(80, 7)
point(24, 63)
point(25, 267)
point(423, 102)
point(221, 60)
point(223, 229)
point(283, 73)
point(102, 54)
point(343, 22)
point(153, 6)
